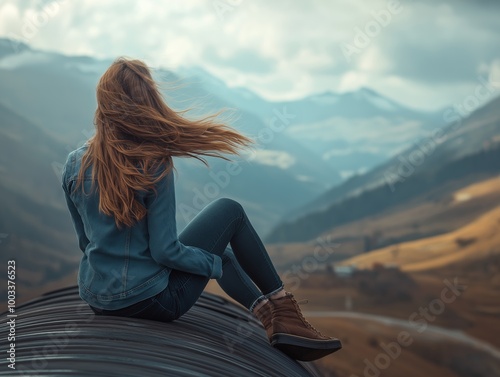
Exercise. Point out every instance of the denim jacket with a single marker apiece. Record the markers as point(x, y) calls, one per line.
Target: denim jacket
point(122, 267)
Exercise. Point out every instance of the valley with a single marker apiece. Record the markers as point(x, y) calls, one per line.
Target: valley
point(441, 290)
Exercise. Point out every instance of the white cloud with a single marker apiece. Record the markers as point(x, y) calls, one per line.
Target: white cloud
point(281, 159)
point(423, 58)
point(344, 174)
point(494, 73)
point(9, 18)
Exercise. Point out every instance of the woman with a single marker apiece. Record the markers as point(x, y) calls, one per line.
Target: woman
point(119, 189)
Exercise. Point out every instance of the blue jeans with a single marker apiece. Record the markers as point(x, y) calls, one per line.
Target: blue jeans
point(248, 273)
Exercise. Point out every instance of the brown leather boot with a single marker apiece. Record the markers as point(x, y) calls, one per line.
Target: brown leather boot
point(264, 314)
point(296, 337)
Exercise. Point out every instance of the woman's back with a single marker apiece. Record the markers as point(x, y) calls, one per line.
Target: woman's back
point(117, 266)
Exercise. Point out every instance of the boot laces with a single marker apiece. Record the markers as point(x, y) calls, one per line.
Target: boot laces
point(299, 312)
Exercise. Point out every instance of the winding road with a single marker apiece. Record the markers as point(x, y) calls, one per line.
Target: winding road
point(431, 332)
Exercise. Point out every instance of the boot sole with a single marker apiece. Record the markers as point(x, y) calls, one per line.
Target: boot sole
point(304, 349)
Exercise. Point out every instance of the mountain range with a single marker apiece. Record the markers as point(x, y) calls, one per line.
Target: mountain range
point(298, 143)
point(428, 162)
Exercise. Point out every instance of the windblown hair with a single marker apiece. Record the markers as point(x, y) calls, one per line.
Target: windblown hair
point(137, 133)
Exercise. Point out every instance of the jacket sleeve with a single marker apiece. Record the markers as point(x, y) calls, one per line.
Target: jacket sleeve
point(164, 244)
point(83, 241)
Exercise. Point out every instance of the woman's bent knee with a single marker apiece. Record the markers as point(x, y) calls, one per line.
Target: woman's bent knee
point(228, 203)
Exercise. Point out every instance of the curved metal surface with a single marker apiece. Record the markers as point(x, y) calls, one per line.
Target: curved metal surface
point(58, 335)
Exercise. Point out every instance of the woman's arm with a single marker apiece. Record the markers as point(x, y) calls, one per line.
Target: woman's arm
point(83, 241)
point(164, 244)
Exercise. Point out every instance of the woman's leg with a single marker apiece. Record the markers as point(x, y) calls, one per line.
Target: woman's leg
point(234, 278)
point(224, 221)
point(220, 223)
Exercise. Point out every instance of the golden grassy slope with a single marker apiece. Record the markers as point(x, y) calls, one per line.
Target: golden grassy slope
point(436, 214)
point(474, 241)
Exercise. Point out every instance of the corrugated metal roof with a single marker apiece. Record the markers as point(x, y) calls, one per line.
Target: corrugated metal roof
point(58, 335)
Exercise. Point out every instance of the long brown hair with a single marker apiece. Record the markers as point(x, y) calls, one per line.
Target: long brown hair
point(136, 132)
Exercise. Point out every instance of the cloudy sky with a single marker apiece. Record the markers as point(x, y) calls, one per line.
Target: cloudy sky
point(425, 54)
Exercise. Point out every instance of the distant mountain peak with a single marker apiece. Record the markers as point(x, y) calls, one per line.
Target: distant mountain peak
point(12, 46)
point(202, 73)
point(324, 98)
point(375, 99)
point(326, 93)
point(368, 91)
point(363, 93)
